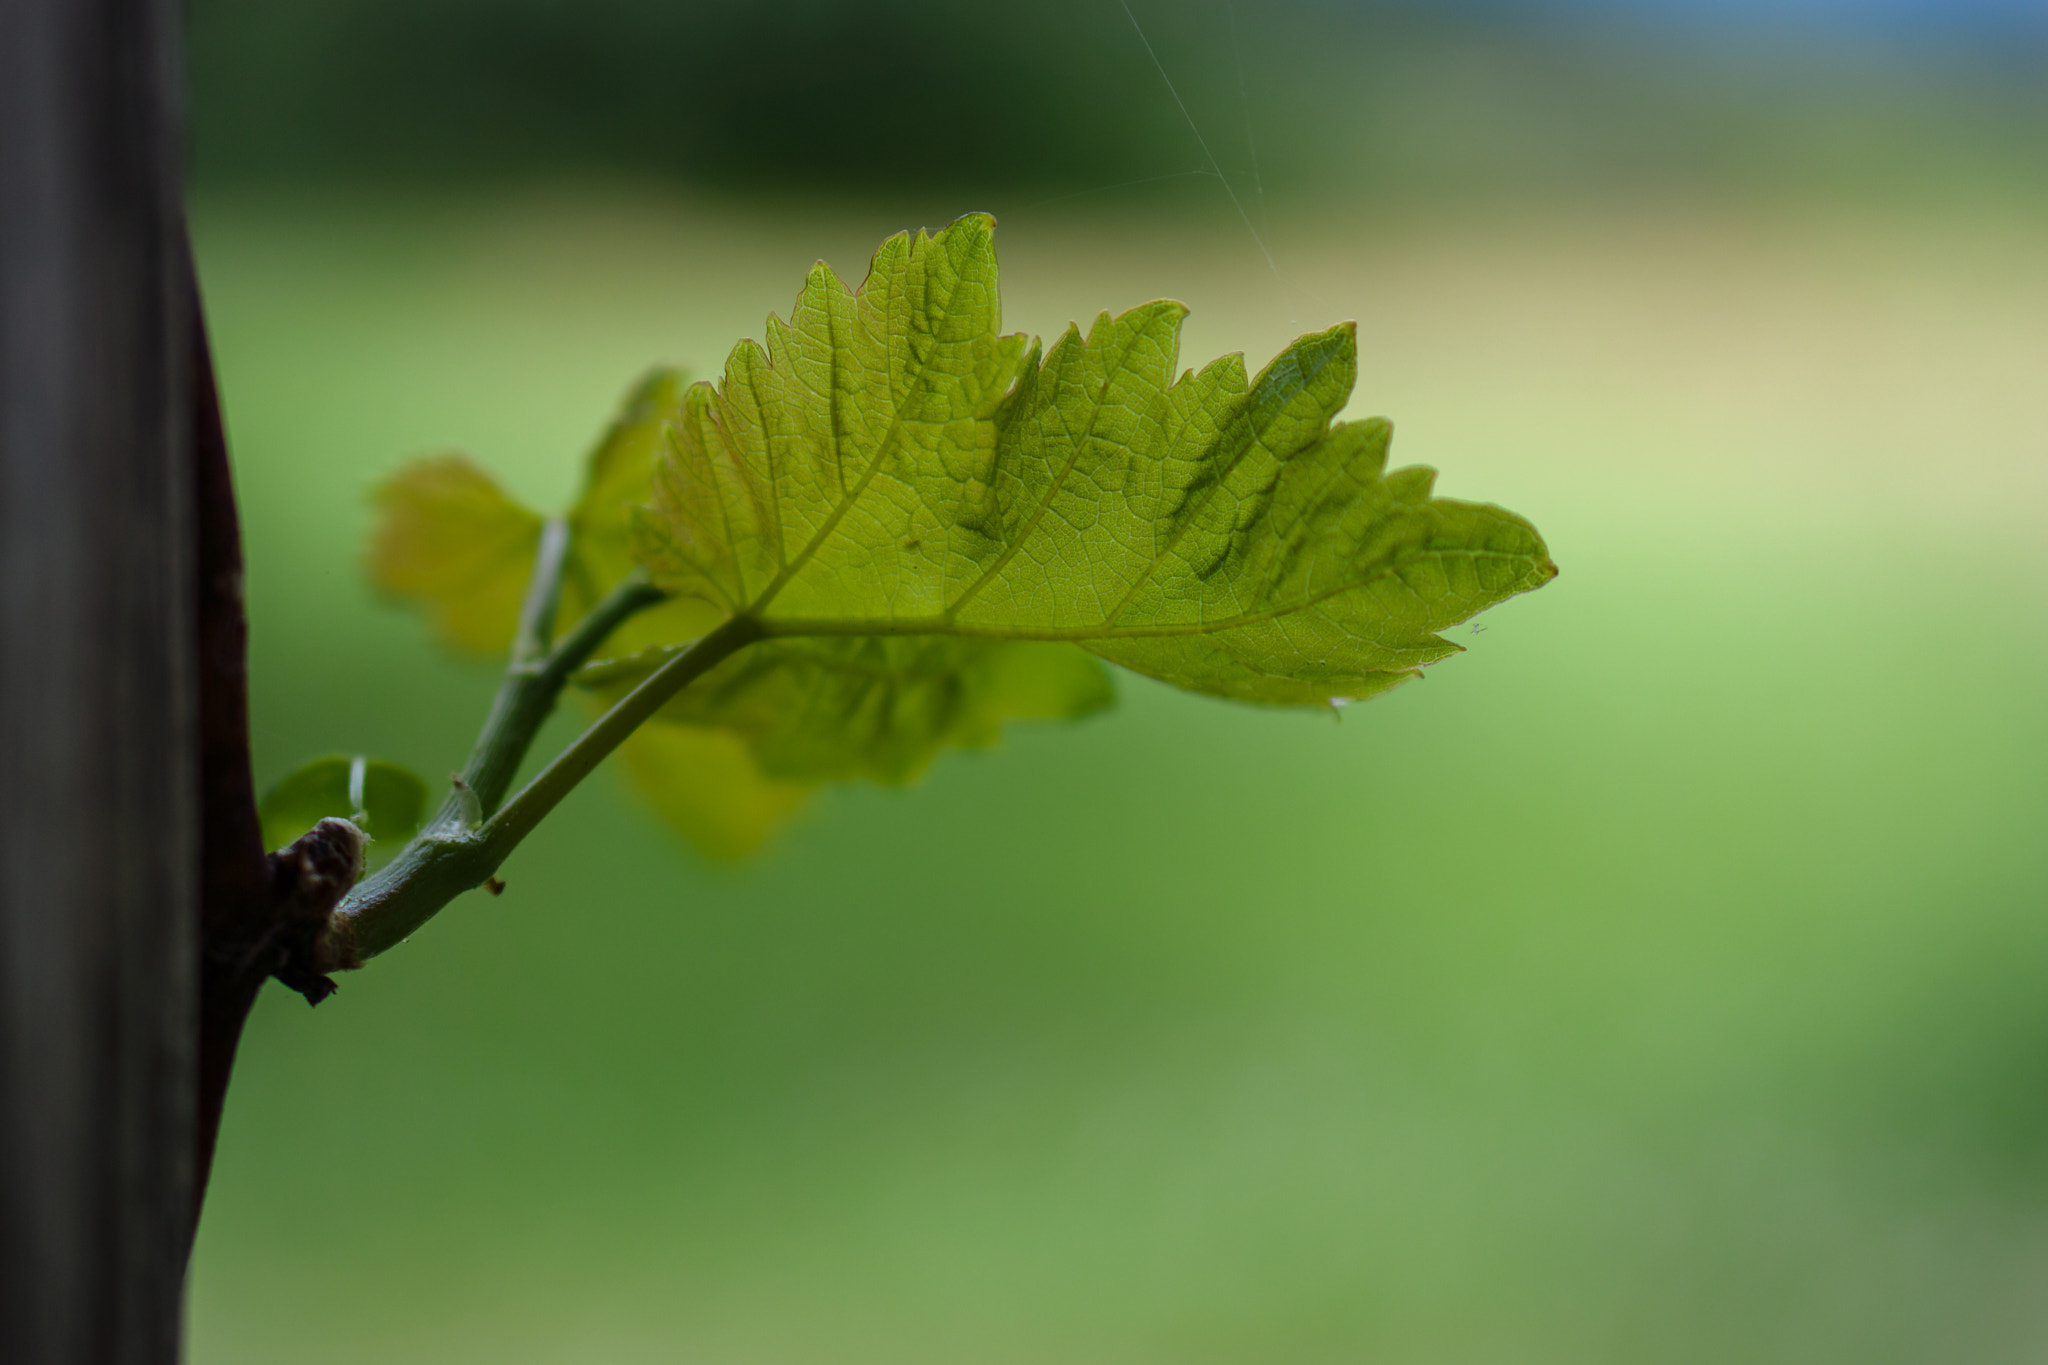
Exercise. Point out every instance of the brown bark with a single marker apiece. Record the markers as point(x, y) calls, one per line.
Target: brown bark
point(261, 915)
point(234, 876)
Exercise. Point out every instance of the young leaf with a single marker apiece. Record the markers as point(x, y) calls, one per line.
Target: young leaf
point(619, 476)
point(707, 786)
point(386, 801)
point(891, 465)
point(449, 539)
point(881, 708)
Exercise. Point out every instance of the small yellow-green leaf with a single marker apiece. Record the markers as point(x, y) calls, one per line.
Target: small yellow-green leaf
point(386, 801)
point(891, 465)
point(449, 539)
point(618, 478)
point(707, 786)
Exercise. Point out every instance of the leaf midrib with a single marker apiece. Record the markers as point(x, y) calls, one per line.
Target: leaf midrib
point(791, 628)
point(939, 625)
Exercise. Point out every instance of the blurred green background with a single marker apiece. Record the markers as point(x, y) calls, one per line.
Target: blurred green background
point(1664, 980)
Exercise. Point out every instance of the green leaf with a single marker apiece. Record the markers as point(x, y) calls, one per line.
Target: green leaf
point(878, 707)
point(931, 521)
point(707, 785)
point(740, 750)
point(449, 539)
point(386, 801)
point(891, 465)
point(618, 477)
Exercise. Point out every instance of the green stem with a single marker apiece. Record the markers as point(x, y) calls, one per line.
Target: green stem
point(533, 683)
point(535, 678)
point(523, 701)
point(543, 594)
point(504, 830)
point(449, 858)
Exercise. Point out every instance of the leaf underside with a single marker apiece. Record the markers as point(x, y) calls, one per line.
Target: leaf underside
point(891, 464)
point(933, 521)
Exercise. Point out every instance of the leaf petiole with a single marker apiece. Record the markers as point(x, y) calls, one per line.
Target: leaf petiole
point(573, 764)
